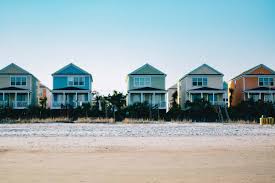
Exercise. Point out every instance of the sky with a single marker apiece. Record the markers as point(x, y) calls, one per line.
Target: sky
point(111, 38)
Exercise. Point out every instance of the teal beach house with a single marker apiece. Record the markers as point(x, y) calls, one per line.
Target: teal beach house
point(18, 88)
point(72, 87)
point(147, 84)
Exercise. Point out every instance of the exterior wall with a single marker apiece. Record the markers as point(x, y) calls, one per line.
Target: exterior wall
point(62, 82)
point(34, 88)
point(261, 70)
point(157, 81)
point(171, 91)
point(45, 92)
point(214, 81)
point(237, 86)
point(5, 81)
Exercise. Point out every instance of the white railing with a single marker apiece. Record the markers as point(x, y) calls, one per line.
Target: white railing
point(3, 103)
point(74, 104)
point(161, 104)
point(221, 103)
point(14, 104)
point(20, 104)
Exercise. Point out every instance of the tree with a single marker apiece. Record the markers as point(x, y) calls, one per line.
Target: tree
point(43, 102)
point(118, 102)
point(174, 100)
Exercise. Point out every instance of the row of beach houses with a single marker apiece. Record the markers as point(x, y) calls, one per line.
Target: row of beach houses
point(72, 86)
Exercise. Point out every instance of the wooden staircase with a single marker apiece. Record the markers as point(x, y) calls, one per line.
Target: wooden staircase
point(222, 113)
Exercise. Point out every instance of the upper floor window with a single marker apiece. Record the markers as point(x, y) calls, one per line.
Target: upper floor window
point(76, 81)
point(142, 81)
point(266, 81)
point(18, 81)
point(200, 81)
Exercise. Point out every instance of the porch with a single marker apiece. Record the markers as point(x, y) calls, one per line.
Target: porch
point(153, 98)
point(15, 99)
point(69, 99)
point(212, 95)
point(263, 93)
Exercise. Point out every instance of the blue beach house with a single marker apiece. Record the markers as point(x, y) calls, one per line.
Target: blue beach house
point(72, 87)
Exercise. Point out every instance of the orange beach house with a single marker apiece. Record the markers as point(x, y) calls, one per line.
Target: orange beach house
point(256, 84)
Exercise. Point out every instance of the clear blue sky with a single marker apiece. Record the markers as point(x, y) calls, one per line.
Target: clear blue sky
point(110, 38)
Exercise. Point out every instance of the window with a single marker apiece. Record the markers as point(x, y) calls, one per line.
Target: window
point(24, 81)
point(204, 81)
point(194, 81)
point(266, 81)
point(18, 81)
point(81, 81)
point(12, 81)
point(142, 81)
point(199, 81)
point(76, 81)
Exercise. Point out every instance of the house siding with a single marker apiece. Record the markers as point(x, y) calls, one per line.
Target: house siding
point(157, 81)
point(5, 81)
point(62, 82)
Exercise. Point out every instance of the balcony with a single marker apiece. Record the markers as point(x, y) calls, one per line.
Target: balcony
point(20, 104)
point(15, 104)
point(74, 104)
point(4, 104)
point(161, 105)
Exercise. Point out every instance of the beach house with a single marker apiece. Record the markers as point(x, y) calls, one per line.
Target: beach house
point(255, 84)
point(147, 84)
point(18, 88)
point(72, 87)
point(203, 82)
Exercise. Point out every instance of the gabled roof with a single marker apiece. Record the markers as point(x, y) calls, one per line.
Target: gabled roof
point(204, 69)
point(71, 69)
point(147, 69)
point(249, 71)
point(175, 86)
point(43, 86)
point(14, 69)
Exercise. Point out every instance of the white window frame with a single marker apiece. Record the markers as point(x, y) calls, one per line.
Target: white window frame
point(72, 79)
point(20, 81)
point(269, 81)
point(147, 81)
point(197, 81)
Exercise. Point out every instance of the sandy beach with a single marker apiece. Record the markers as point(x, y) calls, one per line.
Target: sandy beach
point(149, 158)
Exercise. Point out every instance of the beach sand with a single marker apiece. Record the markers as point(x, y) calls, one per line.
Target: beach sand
point(137, 159)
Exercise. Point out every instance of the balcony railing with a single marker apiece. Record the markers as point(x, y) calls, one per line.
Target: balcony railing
point(14, 104)
point(4, 104)
point(20, 104)
point(221, 103)
point(161, 105)
point(74, 104)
